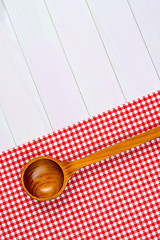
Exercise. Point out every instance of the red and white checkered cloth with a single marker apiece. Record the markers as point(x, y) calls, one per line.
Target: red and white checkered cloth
point(117, 198)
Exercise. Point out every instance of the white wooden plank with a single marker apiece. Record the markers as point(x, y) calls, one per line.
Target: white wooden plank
point(125, 47)
point(46, 59)
point(86, 54)
point(18, 96)
point(147, 15)
point(6, 139)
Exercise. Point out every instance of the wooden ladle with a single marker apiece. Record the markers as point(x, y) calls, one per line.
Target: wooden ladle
point(44, 178)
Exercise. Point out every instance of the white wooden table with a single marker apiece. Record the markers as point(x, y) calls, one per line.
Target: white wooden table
point(63, 61)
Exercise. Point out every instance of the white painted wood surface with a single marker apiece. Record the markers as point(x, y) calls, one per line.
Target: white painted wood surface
point(147, 15)
point(63, 61)
point(18, 96)
point(125, 47)
point(85, 52)
point(46, 60)
point(6, 138)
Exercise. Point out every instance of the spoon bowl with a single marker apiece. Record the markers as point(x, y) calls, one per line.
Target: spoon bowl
point(44, 178)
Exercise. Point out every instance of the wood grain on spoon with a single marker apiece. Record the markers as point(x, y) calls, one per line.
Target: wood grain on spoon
point(45, 178)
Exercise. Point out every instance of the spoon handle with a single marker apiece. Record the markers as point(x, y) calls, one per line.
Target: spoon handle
point(116, 148)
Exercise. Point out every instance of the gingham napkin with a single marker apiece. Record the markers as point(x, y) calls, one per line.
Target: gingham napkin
point(117, 198)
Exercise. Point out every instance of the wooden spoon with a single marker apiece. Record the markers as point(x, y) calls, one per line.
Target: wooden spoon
point(44, 178)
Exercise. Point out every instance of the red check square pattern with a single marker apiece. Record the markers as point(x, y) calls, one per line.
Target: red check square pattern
point(117, 198)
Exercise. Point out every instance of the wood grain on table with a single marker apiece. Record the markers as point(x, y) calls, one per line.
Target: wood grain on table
point(63, 61)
